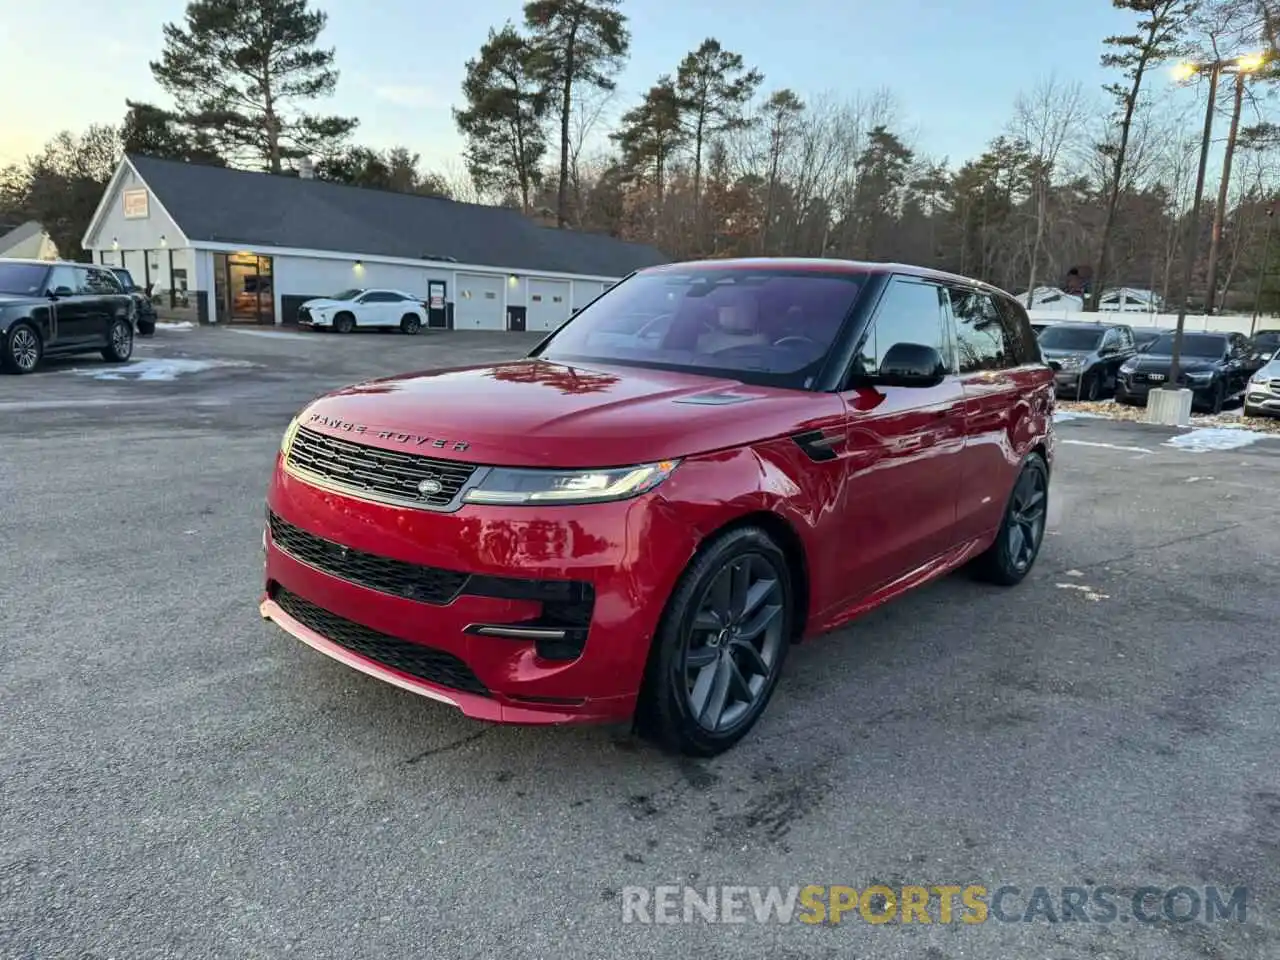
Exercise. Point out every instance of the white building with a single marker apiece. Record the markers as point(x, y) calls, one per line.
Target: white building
point(28, 241)
point(233, 246)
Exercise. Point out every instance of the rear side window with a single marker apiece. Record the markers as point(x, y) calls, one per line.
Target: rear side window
point(981, 342)
point(101, 282)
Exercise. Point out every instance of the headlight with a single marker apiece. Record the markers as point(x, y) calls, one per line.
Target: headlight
point(1200, 376)
point(510, 486)
point(1069, 363)
point(290, 432)
point(1128, 367)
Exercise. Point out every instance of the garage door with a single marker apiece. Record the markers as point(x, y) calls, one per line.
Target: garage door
point(479, 304)
point(548, 304)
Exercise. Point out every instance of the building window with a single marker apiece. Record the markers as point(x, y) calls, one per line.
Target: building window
point(537, 298)
point(557, 299)
point(490, 295)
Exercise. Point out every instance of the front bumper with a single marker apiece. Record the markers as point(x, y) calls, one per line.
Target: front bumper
point(438, 647)
point(1068, 382)
point(1262, 401)
point(1129, 390)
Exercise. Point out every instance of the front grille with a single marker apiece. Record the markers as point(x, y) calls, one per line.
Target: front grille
point(385, 475)
point(411, 581)
point(1275, 386)
point(425, 663)
point(304, 314)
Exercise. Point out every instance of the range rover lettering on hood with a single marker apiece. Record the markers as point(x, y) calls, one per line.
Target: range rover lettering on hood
point(416, 439)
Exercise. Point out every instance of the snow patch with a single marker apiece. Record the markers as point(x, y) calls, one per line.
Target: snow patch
point(175, 325)
point(1089, 592)
point(158, 370)
point(1210, 439)
point(1062, 416)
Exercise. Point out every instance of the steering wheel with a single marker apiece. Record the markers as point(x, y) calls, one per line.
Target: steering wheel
point(795, 338)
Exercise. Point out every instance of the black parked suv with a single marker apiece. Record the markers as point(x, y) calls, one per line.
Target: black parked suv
point(146, 310)
point(1216, 367)
point(52, 309)
point(1086, 356)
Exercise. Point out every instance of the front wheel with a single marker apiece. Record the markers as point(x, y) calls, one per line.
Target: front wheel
point(344, 323)
point(1218, 399)
point(22, 349)
point(1010, 558)
point(410, 324)
point(720, 646)
point(1093, 388)
point(119, 346)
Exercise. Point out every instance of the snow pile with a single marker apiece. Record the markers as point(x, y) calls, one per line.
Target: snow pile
point(172, 325)
point(1210, 439)
point(158, 369)
point(1062, 416)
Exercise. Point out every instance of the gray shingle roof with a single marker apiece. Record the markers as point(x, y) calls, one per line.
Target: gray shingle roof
point(220, 205)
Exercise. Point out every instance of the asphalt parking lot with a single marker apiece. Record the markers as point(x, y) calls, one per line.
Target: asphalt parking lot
point(179, 779)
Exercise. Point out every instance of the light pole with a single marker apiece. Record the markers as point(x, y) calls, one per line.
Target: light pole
point(1243, 67)
point(1262, 272)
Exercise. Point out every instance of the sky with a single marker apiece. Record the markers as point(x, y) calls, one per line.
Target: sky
point(955, 69)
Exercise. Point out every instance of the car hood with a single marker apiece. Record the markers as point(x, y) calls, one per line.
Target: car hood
point(1146, 363)
point(542, 414)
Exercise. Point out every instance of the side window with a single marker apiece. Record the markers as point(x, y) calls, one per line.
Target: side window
point(1111, 339)
point(909, 312)
point(1239, 345)
point(100, 282)
point(64, 278)
point(1126, 338)
point(980, 332)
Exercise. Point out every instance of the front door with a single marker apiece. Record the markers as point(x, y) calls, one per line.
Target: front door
point(902, 447)
point(74, 319)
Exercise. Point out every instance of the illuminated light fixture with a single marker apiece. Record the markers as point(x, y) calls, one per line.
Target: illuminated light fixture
point(513, 280)
point(163, 241)
point(115, 243)
point(1250, 62)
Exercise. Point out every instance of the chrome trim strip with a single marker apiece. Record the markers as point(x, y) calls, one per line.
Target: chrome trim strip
point(517, 633)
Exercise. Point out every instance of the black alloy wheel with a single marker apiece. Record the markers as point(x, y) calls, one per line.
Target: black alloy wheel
point(344, 323)
point(1010, 558)
point(410, 324)
point(721, 645)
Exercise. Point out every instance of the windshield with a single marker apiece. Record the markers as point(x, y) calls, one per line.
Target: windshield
point(123, 276)
point(347, 294)
point(1193, 345)
point(1267, 340)
point(1070, 338)
point(771, 327)
point(23, 279)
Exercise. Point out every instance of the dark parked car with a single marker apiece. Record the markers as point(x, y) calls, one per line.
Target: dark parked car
point(53, 309)
point(1086, 356)
point(1144, 337)
point(146, 310)
point(1216, 367)
point(783, 446)
point(1267, 342)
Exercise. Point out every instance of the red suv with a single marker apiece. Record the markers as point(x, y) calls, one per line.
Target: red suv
point(711, 461)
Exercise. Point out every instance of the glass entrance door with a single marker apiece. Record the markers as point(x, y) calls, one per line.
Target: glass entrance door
point(250, 292)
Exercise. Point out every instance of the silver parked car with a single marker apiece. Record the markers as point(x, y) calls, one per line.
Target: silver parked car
point(1262, 395)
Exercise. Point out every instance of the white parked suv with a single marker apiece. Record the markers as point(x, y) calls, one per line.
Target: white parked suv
point(383, 309)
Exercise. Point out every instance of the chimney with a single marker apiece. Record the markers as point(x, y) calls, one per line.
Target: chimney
point(306, 169)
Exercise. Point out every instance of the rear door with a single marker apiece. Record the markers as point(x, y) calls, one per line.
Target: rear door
point(103, 296)
point(902, 446)
point(1007, 396)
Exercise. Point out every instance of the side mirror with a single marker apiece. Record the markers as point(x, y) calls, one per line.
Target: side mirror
point(911, 365)
point(57, 292)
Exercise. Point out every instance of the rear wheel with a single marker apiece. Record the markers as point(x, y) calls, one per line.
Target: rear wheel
point(1017, 544)
point(410, 324)
point(720, 646)
point(22, 349)
point(1218, 398)
point(344, 323)
point(1093, 388)
point(119, 346)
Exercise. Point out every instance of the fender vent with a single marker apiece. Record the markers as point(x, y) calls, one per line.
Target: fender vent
point(817, 444)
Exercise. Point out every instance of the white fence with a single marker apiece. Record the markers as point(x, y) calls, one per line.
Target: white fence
point(1219, 324)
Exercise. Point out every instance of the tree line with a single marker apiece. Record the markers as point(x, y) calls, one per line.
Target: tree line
point(711, 160)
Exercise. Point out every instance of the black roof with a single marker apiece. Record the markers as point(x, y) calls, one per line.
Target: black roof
point(222, 205)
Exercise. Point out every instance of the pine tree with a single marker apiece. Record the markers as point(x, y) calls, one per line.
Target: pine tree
point(157, 132)
point(650, 133)
point(507, 101)
point(240, 72)
point(579, 42)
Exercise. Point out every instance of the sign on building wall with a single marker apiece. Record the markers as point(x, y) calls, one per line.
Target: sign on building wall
point(135, 204)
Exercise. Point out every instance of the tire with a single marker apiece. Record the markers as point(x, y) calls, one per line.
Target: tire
point(1007, 562)
point(410, 324)
point(1217, 399)
point(741, 659)
point(23, 349)
point(344, 323)
point(1251, 411)
point(146, 328)
point(119, 346)
point(1093, 388)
